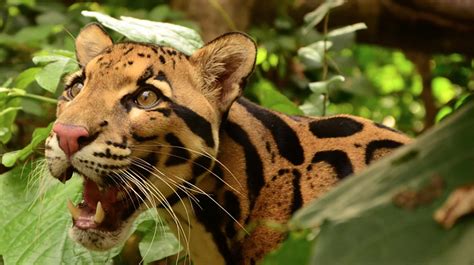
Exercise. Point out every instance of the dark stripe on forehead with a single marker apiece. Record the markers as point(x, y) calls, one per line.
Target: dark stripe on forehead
point(145, 76)
point(162, 77)
point(253, 162)
point(379, 144)
point(178, 154)
point(335, 127)
point(285, 137)
point(337, 159)
point(196, 123)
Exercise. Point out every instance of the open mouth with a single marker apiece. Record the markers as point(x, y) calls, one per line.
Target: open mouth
point(102, 208)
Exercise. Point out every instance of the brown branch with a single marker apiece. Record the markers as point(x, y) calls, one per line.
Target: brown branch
point(422, 63)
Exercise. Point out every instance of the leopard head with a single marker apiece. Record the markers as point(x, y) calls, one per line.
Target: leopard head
point(137, 121)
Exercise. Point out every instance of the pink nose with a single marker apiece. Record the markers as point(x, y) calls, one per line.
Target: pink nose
point(69, 137)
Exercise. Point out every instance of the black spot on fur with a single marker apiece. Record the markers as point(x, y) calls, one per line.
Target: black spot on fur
point(140, 138)
point(154, 50)
point(358, 145)
point(297, 197)
point(337, 159)
point(104, 123)
point(213, 219)
point(201, 165)
point(379, 144)
point(232, 205)
point(285, 137)
point(162, 59)
point(130, 62)
point(196, 123)
point(219, 174)
point(253, 162)
point(178, 154)
point(335, 127)
point(141, 54)
point(127, 51)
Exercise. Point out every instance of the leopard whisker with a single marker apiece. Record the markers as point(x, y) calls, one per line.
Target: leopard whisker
point(166, 204)
point(203, 153)
point(210, 197)
point(195, 163)
point(150, 195)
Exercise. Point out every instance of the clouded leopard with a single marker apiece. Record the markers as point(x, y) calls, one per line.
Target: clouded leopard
point(148, 126)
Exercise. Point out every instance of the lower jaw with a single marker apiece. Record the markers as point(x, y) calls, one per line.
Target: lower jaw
point(100, 240)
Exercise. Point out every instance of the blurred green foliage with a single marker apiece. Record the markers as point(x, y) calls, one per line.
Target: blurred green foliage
point(299, 71)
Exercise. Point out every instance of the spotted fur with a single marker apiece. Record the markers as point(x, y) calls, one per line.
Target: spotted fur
point(242, 163)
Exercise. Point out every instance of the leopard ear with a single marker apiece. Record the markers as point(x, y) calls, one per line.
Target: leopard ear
point(91, 41)
point(224, 65)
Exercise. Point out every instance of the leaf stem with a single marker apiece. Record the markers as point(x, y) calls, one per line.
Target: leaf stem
point(325, 61)
point(34, 97)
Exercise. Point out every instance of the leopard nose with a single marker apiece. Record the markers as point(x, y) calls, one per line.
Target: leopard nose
point(70, 137)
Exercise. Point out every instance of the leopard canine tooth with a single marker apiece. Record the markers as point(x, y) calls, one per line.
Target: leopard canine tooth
point(99, 213)
point(75, 212)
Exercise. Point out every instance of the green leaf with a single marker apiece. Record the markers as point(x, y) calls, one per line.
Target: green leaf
point(347, 29)
point(321, 87)
point(157, 241)
point(314, 17)
point(313, 105)
point(58, 64)
point(39, 135)
point(10, 107)
point(360, 217)
point(181, 38)
point(268, 96)
point(443, 89)
point(34, 223)
point(295, 250)
point(25, 78)
point(312, 55)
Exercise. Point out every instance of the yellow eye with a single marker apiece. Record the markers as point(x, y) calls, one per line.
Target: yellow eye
point(74, 90)
point(146, 99)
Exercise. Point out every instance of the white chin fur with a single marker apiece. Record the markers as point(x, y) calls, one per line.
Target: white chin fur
point(99, 240)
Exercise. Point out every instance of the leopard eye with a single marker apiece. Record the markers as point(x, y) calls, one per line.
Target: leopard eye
point(74, 90)
point(147, 99)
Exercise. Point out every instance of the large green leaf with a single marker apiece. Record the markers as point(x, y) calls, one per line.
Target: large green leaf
point(181, 38)
point(268, 96)
point(157, 241)
point(34, 223)
point(58, 63)
point(360, 224)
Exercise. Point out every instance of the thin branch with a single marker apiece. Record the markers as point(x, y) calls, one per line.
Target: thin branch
point(34, 97)
point(325, 61)
point(223, 13)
